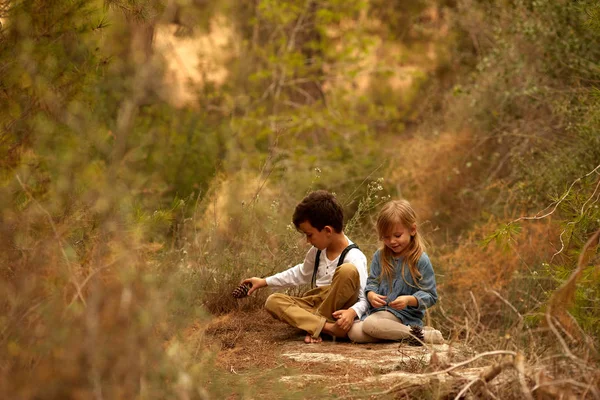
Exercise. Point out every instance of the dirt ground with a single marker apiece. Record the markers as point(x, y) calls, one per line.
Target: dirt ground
point(253, 345)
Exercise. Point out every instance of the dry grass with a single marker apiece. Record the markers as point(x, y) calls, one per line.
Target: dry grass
point(90, 309)
point(472, 266)
point(494, 297)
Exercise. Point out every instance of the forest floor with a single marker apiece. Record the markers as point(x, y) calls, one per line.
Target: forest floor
point(260, 349)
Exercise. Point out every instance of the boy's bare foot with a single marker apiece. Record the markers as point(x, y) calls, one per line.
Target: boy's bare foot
point(309, 339)
point(334, 330)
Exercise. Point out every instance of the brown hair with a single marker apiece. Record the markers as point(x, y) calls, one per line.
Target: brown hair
point(320, 208)
point(400, 212)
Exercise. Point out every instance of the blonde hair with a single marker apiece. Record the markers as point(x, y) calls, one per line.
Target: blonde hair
point(400, 212)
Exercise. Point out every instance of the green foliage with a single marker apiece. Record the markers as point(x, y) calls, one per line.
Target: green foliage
point(371, 200)
point(291, 91)
point(77, 216)
point(401, 19)
point(176, 151)
point(503, 236)
point(125, 219)
point(592, 11)
point(587, 303)
point(531, 100)
point(47, 70)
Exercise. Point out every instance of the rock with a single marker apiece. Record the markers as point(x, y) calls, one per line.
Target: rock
point(390, 363)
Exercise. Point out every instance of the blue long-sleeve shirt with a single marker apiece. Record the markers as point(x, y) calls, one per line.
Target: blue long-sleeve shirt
point(425, 292)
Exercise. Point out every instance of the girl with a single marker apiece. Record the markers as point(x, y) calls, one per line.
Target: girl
point(401, 283)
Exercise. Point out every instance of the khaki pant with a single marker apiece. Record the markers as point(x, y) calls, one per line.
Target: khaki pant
point(311, 311)
point(383, 325)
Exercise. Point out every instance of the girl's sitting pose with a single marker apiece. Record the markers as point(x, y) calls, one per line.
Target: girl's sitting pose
point(401, 283)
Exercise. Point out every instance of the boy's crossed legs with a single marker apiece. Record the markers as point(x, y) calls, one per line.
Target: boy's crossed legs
point(313, 312)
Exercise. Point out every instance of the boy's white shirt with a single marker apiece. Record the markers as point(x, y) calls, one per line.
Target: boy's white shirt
point(302, 274)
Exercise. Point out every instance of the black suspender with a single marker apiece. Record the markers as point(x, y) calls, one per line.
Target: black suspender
point(340, 261)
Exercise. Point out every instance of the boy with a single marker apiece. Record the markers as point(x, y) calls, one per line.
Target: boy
point(339, 297)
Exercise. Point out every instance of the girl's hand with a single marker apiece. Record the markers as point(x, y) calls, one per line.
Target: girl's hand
point(376, 300)
point(401, 302)
point(256, 283)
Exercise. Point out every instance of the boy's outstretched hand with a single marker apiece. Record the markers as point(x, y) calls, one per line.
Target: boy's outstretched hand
point(256, 283)
point(345, 318)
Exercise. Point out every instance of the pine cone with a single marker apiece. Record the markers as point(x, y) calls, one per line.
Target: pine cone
point(241, 291)
point(417, 338)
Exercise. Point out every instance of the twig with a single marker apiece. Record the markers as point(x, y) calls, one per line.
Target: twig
point(455, 366)
point(91, 275)
point(519, 365)
point(563, 329)
point(349, 198)
point(57, 236)
point(556, 203)
point(488, 393)
point(289, 47)
point(31, 309)
point(194, 219)
point(506, 302)
point(476, 307)
point(567, 289)
point(560, 339)
point(269, 158)
point(589, 343)
point(470, 360)
point(467, 386)
point(493, 371)
point(447, 370)
point(568, 382)
point(562, 244)
point(590, 198)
